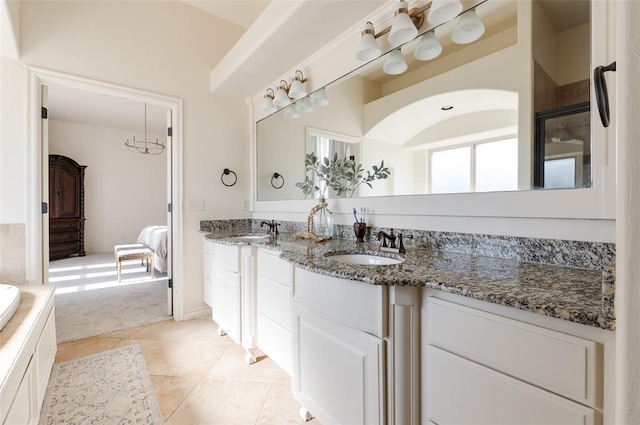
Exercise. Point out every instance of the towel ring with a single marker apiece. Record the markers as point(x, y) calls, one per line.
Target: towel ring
point(226, 172)
point(277, 176)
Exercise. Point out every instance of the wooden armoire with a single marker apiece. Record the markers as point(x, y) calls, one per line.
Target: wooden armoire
point(66, 207)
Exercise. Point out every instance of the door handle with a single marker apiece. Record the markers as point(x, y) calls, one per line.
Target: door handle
point(602, 95)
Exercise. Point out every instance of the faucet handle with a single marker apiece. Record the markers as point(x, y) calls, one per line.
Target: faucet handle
point(401, 248)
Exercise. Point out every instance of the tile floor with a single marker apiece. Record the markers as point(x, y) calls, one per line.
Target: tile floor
point(199, 377)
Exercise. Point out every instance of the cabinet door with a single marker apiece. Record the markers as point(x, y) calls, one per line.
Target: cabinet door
point(462, 392)
point(23, 406)
point(44, 357)
point(207, 271)
point(227, 302)
point(338, 371)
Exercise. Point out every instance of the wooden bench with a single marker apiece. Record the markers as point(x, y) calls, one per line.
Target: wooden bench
point(135, 251)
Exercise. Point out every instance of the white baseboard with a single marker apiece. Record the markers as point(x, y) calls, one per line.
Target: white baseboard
point(204, 311)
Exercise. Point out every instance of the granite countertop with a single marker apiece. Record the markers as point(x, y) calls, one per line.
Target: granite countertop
point(566, 293)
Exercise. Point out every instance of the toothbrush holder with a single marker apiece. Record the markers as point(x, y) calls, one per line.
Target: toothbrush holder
point(360, 229)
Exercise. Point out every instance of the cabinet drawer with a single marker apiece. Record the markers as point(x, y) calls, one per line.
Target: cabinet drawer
point(62, 225)
point(462, 392)
point(357, 305)
point(552, 360)
point(64, 236)
point(274, 301)
point(274, 268)
point(226, 257)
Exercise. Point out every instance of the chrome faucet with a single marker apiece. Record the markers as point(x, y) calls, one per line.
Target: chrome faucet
point(392, 237)
point(273, 226)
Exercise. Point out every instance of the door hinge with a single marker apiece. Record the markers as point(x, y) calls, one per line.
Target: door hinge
point(45, 208)
point(44, 112)
point(170, 131)
point(170, 283)
point(169, 208)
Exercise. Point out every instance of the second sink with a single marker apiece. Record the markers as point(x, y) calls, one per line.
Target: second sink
point(365, 259)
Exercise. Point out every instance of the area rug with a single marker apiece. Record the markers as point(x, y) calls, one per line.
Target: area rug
point(112, 387)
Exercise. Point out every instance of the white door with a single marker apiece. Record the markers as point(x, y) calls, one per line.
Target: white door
point(44, 167)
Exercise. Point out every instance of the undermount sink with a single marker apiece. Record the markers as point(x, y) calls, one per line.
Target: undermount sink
point(365, 259)
point(9, 302)
point(249, 238)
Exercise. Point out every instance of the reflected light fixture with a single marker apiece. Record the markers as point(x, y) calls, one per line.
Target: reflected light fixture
point(442, 11)
point(296, 88)
point(267, 102)
point(402, 28)
point(395, 63)
point(428, 47)
point(145, 146)
point(292, 111)
point(281, 98)
point(468, 29)
point(367, 48)
point(304, 105)
point(319, 97)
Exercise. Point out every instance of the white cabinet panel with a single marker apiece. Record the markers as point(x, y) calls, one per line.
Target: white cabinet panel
point(274, 268)
point(558, 362)
point(23, 410)
point(463, 392)
point(227, 302)
point(356, 304)
point(338, 372)
point(274, 301)
point(207, 271)
point(226, 257)
point(44, 357)
point(275, 341)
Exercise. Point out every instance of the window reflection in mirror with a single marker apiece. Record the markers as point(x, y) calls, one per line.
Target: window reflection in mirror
point(497, 85)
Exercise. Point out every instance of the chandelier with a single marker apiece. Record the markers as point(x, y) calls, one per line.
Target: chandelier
point(145, 146)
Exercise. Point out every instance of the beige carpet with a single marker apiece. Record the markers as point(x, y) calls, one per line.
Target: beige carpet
point(89, 301)
point(112, 387)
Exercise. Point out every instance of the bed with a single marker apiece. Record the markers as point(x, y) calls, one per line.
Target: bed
point(155, 237)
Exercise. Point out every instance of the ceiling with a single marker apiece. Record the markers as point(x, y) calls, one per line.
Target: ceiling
point(240, 12)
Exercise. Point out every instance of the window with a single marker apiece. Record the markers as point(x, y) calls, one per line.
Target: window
point(477, 167)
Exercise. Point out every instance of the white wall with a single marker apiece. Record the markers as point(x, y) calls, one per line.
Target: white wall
point(165, 47)
point(124, 191)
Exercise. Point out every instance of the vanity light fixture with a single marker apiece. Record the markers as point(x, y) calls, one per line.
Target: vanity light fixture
point(442, 11)
point(319, 97)
point(468, 29)
point(395, 63)
point(367, 48)
point(292, 111)
point(428, 47)
point(402, 28)
point(304, 104)
point(267, 102)
point(281, 98)
point(296, 88)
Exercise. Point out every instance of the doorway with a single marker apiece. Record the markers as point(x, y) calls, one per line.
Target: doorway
point(41, 83)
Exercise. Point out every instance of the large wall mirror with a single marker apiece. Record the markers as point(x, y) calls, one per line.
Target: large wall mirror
point(467, 121)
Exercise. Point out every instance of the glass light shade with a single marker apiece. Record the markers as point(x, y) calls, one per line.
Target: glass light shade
point(468, 29)
point(319, 97)
point(281, 98)
point(402, 27)
point(367, 48)
point(442, 11)
point(292, 111)
point(395, 63)
point(297, 90)
point(428, 48)
point(304, 105)
point(267, 104)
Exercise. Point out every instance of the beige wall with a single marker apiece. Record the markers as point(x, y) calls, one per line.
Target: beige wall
point(124, 191)
point(165, 47)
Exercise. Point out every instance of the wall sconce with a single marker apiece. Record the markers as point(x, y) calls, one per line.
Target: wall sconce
point(305, 105)
point(292, 111)
point(296, 88)
point(406, 24)
point(267, 102)
point(281, 98)
point(319, 97)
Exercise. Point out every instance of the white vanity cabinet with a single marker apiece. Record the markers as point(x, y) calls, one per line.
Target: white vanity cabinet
point(30, 351)
point(233, 294)
point(274, 284)
point(484, 368)
point(356, 352)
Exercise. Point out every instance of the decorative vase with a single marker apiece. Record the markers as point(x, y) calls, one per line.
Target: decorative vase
point(323, 221)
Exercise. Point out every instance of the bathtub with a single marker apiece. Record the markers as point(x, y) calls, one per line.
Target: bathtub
point(9, 302)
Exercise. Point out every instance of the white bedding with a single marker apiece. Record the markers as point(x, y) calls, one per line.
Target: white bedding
point(155, 237)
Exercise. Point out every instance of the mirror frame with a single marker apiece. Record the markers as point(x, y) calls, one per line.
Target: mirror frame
point(597, 202)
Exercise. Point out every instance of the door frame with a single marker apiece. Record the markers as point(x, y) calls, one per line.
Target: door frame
point(38, 169)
